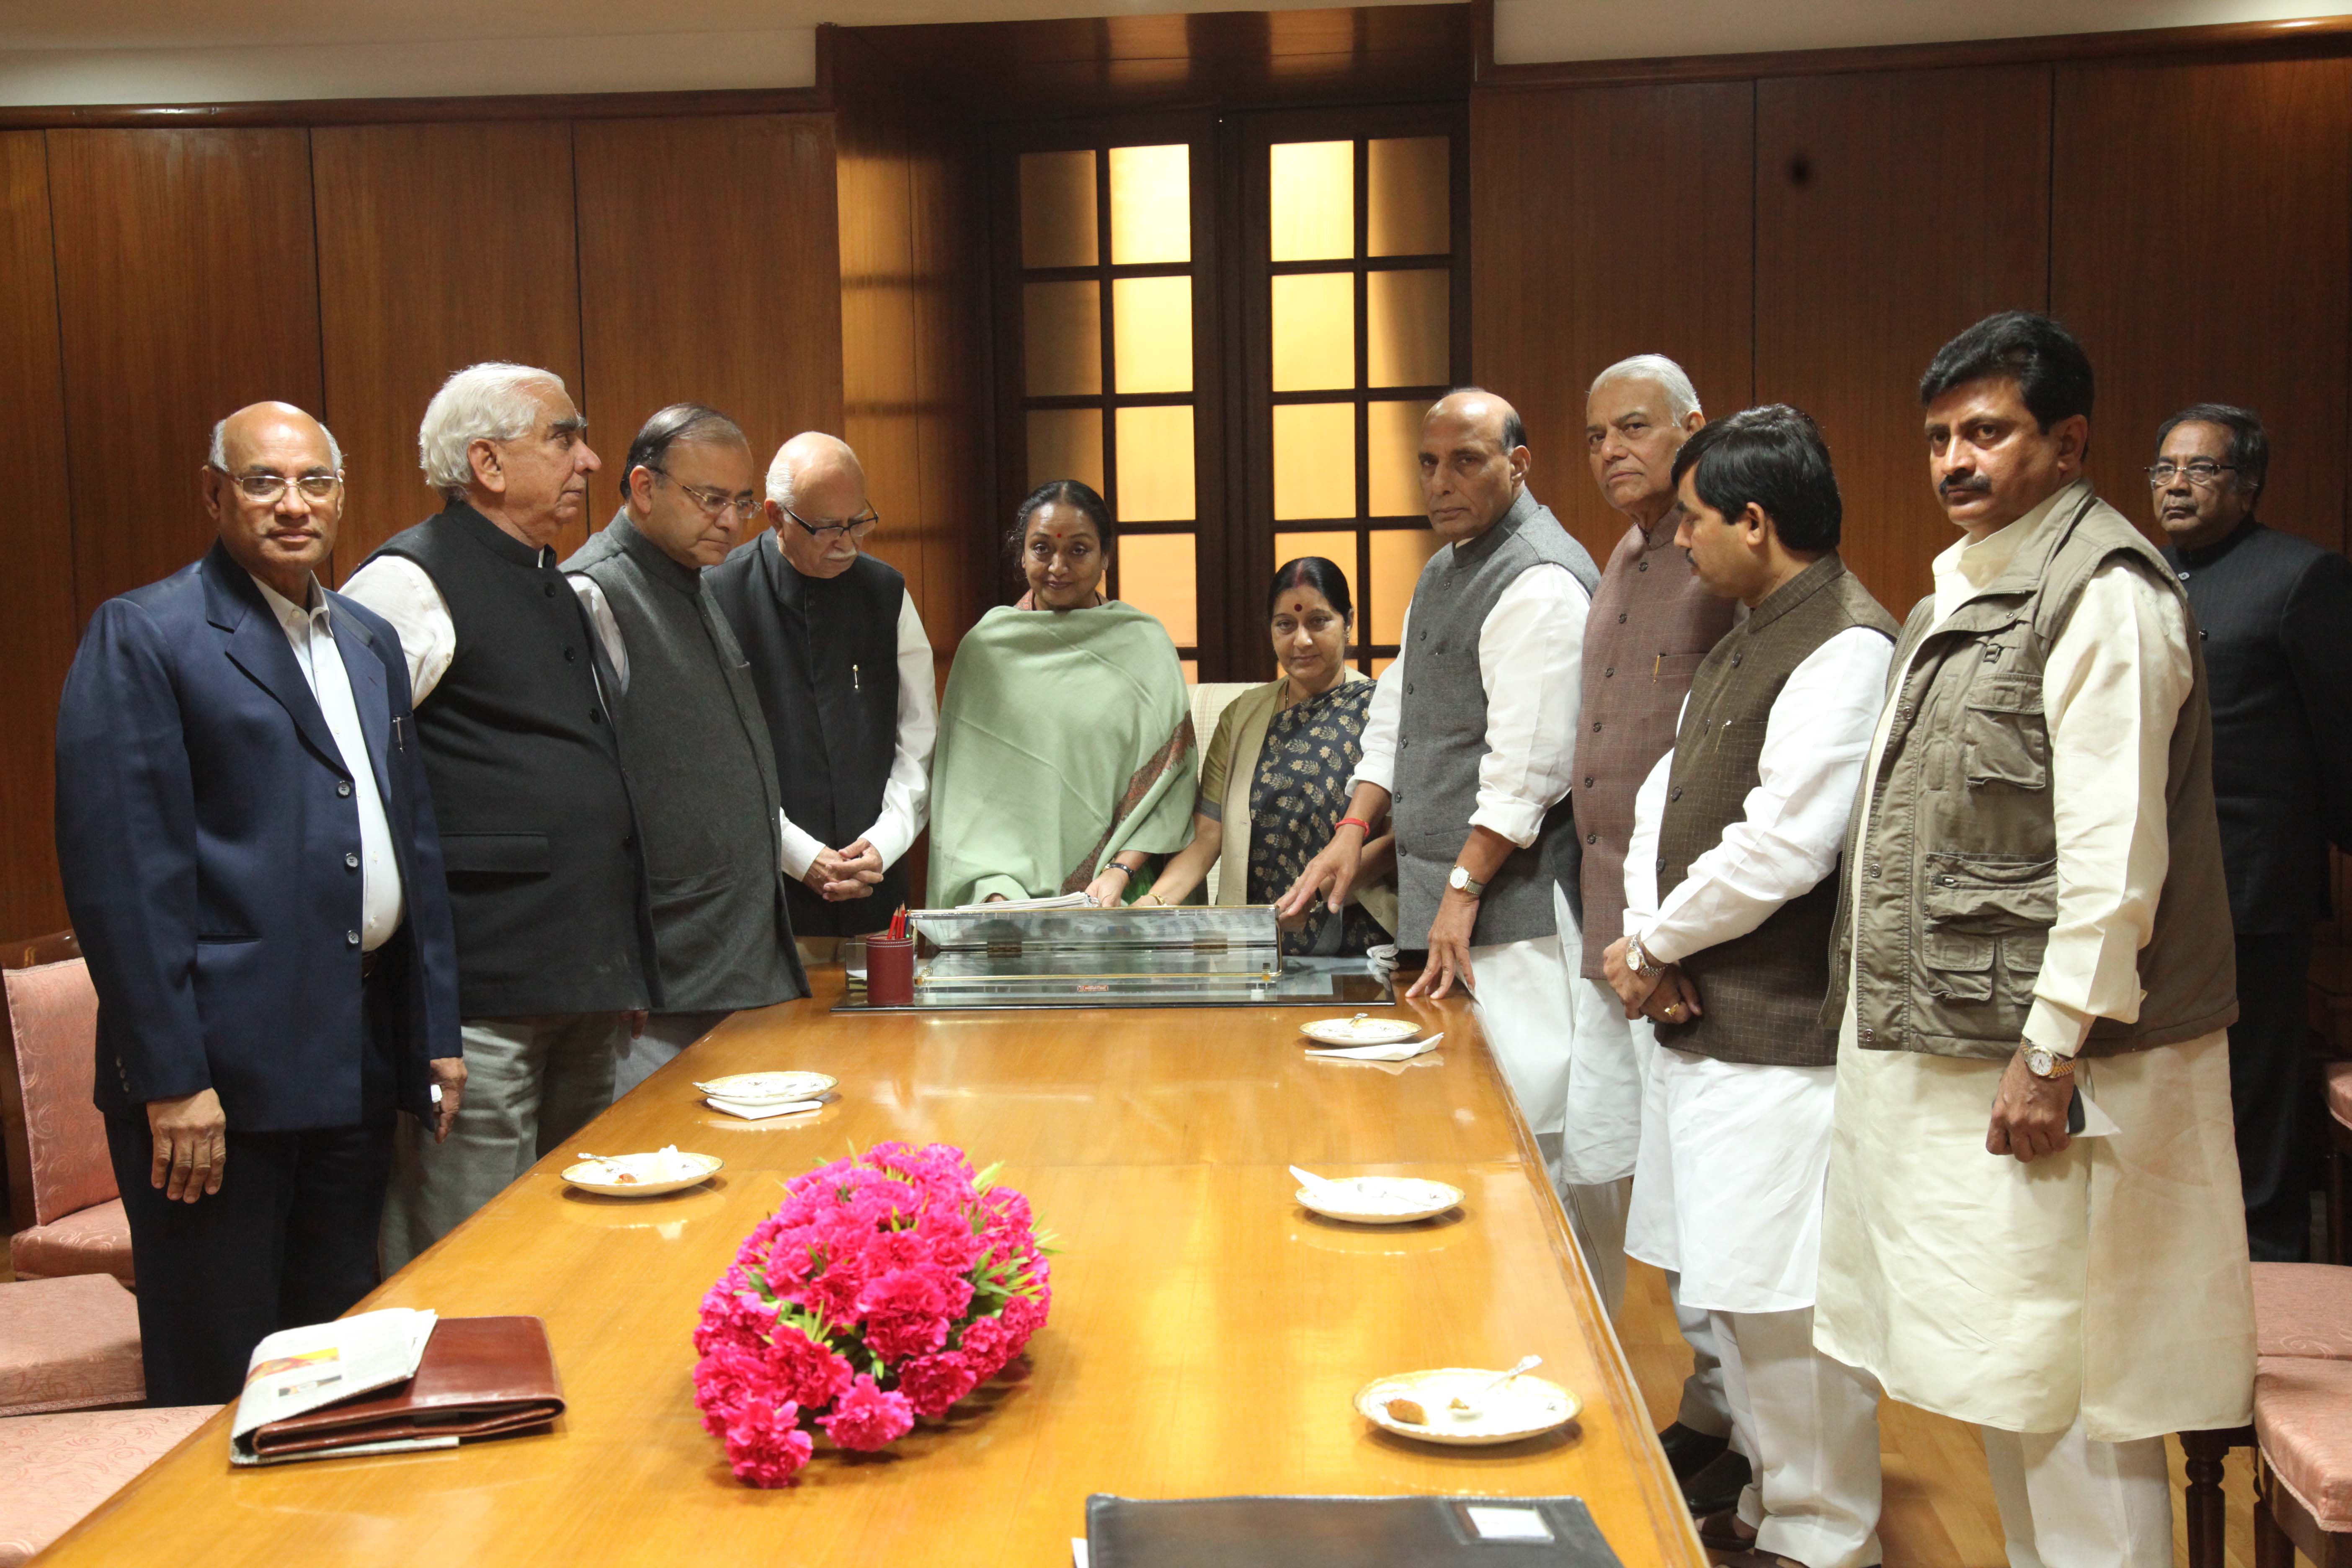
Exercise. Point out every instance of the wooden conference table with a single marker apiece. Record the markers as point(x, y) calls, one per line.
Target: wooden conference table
point(1207, 1336)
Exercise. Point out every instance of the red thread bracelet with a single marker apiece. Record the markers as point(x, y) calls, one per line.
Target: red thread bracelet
point(1354, 822)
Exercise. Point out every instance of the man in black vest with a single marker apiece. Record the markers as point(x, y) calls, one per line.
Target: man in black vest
point(692, 740)
point(2275, 612)
point(844, 671)
point(556, 956)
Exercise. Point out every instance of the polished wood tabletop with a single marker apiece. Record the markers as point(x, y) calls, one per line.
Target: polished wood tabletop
point(1208, 1334)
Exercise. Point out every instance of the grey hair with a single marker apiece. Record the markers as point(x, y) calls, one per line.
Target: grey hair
point(486, 402)
point(1682, 398)
point(781, 469)
point(216, 454)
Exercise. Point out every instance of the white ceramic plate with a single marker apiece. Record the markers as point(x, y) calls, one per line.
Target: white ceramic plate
point(1360, 1030)
point(767, 1087)
point(1379, 1200)
point(1523, 1408)
point(651, 1174)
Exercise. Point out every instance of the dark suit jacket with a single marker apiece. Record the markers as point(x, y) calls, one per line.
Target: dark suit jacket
point(208, 837)
point(2275, 612)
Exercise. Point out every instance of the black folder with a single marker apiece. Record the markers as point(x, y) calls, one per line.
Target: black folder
point(1343, 1532)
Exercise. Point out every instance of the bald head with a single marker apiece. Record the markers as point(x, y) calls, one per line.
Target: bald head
point(273, 486)
point(817, 487)
point(1473, 462)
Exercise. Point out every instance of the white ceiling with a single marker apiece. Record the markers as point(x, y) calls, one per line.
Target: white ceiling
point(183, 51)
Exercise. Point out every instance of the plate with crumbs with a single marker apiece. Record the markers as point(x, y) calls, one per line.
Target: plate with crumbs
point(1461, 1407)
point(767, 1087)
point(1364, 1029)
point(642, 1176)
point(1378, 1200)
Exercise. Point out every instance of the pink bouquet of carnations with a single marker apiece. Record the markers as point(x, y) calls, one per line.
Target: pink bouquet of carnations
point(888, 1286)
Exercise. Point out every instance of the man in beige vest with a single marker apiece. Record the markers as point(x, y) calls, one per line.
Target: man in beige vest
point(2033, 1220)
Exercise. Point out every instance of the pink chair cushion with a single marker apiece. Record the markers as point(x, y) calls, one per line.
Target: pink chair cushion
point(67, 1344)
point(56, 1470)
point(2339, 1091)
point(93, 1241)
point(2303, 1418)
point(2304, 1310)
point(53, 1019)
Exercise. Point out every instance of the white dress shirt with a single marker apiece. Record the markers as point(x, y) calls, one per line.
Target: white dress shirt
point(1793, 822)
point(311, 632)
point(1530, 661)
point(404, 593)
point(906, 794)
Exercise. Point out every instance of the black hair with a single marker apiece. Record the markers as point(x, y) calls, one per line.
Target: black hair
point(2249, 444)
point(2052, 371)
point(678, 422)
point(1773, 457)
point(1062, 492)
point(1515, 429)
point(1314, 572)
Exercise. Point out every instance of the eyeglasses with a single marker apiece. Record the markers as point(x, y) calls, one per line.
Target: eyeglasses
point(2201, 474)
point(267, 488)
point(714, 502)
point(856, 529)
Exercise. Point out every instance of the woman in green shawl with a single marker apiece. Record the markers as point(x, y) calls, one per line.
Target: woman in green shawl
point(1064, 756)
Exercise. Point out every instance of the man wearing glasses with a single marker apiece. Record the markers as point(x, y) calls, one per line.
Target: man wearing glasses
point(844, 674)
point(2275, 612)
point(250, 857)
point(692, 738)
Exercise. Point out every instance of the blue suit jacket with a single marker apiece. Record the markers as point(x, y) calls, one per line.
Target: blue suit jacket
point(208, 838)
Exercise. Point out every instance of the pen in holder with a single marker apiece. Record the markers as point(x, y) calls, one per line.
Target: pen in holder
point(890, 965)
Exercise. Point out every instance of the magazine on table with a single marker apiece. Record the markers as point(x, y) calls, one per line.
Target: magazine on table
point(296, 1370)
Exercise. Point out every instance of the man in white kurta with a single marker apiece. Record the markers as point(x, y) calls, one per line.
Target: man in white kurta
point(2078, 1297)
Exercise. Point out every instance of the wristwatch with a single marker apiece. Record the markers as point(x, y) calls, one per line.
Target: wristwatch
point(2044, 1063)
point(1462, 882)
point(1638, 959)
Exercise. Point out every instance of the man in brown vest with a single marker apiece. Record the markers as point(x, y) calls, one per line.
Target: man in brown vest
point(1740, 827)
point(2035, 923)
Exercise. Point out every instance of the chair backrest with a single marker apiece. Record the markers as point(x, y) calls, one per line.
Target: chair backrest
point(54, 948)
point(57, 1163)
point(1209, 700)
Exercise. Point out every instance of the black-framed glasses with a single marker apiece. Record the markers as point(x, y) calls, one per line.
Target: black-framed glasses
point(714, 502)
point(856, 529)
point(2201, 474)
point(267, 488)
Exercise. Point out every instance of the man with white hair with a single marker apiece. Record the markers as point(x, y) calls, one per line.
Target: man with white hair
point(539, 831)
point(844, 671)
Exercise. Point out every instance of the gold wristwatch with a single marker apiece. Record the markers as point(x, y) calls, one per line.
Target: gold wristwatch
point(2045, 1063)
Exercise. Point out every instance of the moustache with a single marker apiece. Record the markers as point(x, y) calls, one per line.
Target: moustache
point(1970, 484)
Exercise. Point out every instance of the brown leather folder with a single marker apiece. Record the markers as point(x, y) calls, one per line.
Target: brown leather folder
point(479, 1377)
point(1343, 1532)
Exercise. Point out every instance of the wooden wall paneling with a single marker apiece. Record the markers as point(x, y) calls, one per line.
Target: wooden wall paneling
point(1608, 222)
point(439, 247)
point(1869, 257)
point(710, 272)
point(947, 176)
point(36, 598)
point(187, 287)
point(2203, 240)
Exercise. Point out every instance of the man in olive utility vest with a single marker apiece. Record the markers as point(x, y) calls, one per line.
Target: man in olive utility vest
point(2035, 919)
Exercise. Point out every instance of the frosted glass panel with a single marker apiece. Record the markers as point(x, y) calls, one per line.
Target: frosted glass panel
point(1061, 325)
point(1397, 556)
point(1155, 465)
point(1406, 336)
point(1315, 459)
point(1392, 442)
point(1192, 671)
point(1150, 204)
point(1065, 443)
point(1313, 205)
point(1380, 664)
point(1314, 331)
point(1334, 545)
point(1057, 209)
point(1151, 333)
point(1156, 575)
point(1407, 197)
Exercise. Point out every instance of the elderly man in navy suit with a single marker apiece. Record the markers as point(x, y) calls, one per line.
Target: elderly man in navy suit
point(251, 863)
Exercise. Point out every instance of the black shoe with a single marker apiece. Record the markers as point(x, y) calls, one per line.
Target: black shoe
point(1690, 1450)
point(1717, 1486)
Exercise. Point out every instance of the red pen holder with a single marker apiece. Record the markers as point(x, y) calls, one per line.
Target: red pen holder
point(889, 972)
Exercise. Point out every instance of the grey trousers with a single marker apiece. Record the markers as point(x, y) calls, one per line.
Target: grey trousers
point(530, 1084)
point(667, 1035)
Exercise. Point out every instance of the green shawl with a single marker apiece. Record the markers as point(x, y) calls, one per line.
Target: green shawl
point(1065, 738)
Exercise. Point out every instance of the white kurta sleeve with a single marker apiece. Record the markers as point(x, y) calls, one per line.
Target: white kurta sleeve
point(906, 793)
point(1376, 754)
point(799, 847)
point(404, 593)
point(1642, 849)
point(591, 595)
point(1531, 662)
point(1792, 823)
point(2111, 690)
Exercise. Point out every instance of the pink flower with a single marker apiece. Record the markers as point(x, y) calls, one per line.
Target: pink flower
point(867, 1418)
point(732, 1314)
point(907, 1310)
point(726, 1381)
point(932, 1382)
point(765, 1445)
point(988, 1345)
point(808, 1374)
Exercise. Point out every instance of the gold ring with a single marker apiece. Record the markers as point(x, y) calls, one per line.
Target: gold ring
point(1673, 1008)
